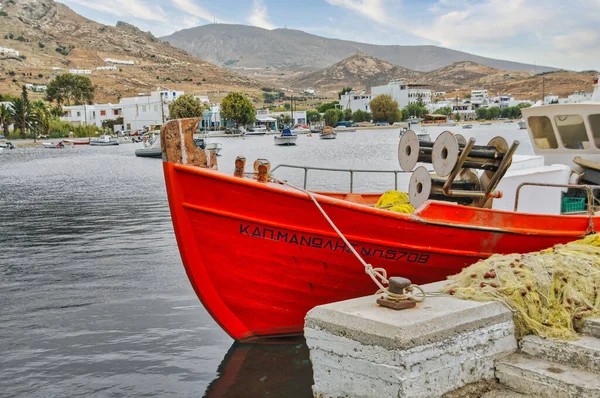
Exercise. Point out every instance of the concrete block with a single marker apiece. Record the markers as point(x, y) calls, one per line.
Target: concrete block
point(581, 354)
point(591, 327)
point(359, 349)
point(546, 379)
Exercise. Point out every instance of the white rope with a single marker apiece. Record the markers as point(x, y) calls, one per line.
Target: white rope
point(378, 275)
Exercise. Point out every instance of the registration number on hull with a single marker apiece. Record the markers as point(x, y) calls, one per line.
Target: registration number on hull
point(300, 239)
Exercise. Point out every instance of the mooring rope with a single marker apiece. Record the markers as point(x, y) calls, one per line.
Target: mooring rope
point(378, 275)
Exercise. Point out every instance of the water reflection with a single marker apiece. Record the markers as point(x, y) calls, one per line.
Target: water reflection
point(272, 369)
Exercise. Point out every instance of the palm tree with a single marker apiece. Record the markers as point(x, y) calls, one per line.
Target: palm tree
point(41, 118)
point(5, 118)
point(22, 113)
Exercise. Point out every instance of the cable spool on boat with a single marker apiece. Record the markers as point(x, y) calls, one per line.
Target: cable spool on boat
point(453, 157)
point(423, 187)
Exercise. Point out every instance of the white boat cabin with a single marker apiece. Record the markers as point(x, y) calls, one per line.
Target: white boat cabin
point(559, 132)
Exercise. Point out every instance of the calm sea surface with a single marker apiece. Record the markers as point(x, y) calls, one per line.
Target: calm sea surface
point(94, 299)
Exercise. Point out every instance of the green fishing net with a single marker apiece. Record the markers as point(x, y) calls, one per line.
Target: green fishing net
point(550, 292)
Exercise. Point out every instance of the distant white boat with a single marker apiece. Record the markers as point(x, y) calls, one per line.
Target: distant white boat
point(286, 138)
point(104, 140)
point(300, 129)
point(415, 125)
point(467, 126)
point(262, 130)
point(51, 145)
point(215, 146)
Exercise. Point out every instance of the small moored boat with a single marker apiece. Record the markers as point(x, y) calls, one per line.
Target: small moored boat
point(328, 133)
point(287, 137)
point(104, 140)
point(51, 145)
point(151, 148)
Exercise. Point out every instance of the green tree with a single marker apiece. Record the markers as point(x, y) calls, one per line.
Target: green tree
point(344, 91)
point(347, 114)
point(328, 105)
point(284, 120)
point(481, 113)
point(111, 123)
point(22, 113)
point(444, 111)
point(493, 113)
point(186, 106)
point(331, 117)
point(361, 116)
point(457, 117)
point(237, 107)
point(416, 109)
point(5, 118)
point(385, 109)
point(313, 116)
point(70, 89)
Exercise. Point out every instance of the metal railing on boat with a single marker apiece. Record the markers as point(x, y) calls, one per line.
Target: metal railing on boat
point(589, 189)
point(352, 172)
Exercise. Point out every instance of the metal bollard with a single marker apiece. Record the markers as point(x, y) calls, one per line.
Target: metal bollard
point(240, 165)
point(400, 299)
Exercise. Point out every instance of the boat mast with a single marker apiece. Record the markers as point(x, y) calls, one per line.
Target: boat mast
point(292, 108)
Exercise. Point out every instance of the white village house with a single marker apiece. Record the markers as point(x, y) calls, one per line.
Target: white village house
point(88, 115)
point(80, 71)
point(404, 93)
point(147, 110)
point(118, 61)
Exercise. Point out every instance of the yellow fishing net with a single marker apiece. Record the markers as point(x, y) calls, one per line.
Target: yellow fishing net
point(395, 201)
point(548, 291)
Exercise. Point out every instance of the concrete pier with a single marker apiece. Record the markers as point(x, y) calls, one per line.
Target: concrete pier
point(359, 349)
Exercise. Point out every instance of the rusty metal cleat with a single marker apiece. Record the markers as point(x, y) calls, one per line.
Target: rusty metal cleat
point(397, 299)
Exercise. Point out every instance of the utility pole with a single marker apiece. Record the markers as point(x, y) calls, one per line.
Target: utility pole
point(162, 108)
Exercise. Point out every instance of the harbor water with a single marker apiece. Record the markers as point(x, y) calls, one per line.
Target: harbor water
point(94, 298)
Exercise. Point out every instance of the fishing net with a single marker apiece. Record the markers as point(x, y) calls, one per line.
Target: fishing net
point(550, 292)
point(395, 201)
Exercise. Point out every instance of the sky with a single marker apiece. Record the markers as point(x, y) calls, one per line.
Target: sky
point(559, 33)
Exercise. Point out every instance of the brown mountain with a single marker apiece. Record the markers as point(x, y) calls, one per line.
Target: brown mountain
point(356, 71)
point(240, 46)
point(50, 35)
point(363, 72)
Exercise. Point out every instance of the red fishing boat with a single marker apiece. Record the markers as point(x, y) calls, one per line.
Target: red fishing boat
point(260, 255)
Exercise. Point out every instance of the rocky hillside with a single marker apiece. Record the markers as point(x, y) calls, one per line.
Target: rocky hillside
point(240, 46)
point(50, 35)
point(363, 72)
point(356, 71)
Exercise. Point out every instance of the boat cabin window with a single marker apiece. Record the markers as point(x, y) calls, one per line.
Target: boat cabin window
point(543, 133)
point(595, 126)
point(572, 131)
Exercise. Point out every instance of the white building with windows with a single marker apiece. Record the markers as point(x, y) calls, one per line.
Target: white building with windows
point(89, 115)
point(356, 101)
point(264, 115)
point(479, 98)
point(145, 111)
point(35, 88)
point(10, 51)
point(118, 61)
point(403, 92)
point(112, 67)
point(80, 71)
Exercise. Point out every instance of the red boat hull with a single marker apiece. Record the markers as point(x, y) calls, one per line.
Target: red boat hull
point(260, 255)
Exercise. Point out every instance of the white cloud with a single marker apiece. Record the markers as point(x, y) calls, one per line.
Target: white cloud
point(190, 7)
point(260, 15)
point(490, 21)
point(123, 8)
point(372, 9)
